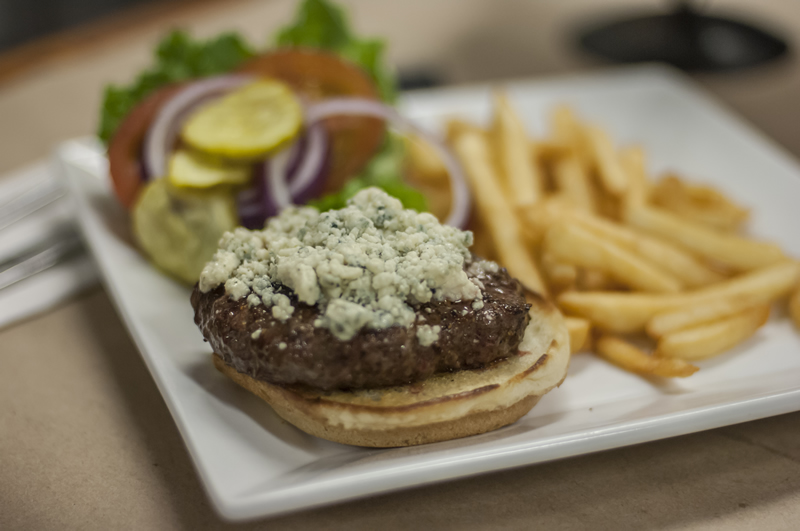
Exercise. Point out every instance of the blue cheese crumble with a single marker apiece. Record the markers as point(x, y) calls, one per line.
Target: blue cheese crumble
point(363, 266)
point(428, 335)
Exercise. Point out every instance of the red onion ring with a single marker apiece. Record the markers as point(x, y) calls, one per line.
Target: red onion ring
point(310, 168)
point(164, 129)
point(460, 209)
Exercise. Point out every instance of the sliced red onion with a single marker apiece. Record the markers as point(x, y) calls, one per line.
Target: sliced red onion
point(166, 126)
point(277, 186)
point(306, 170)
point(460, 209)
point(309, 172)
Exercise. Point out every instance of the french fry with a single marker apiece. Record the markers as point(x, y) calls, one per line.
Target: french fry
point(578, 333)
point(629, 357)
point(708, 340)
point(574, 245)
point(632, 160)
point(546, 150)
point(573, 183)
point(608, 205)
point(612, 175)
point(794, 306)
point(630, 312)
point(560, 276)
point(734, 251)
point(473, 150)
point(698, 314)
point(701, 204)
point(565, 125)
point(682, 265)
point(569, 131)
point(425, 163)
point(456, 126)
point(522, 177)
point(594, 280)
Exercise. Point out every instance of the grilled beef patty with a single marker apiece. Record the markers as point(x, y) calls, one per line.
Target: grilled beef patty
point(297, 352)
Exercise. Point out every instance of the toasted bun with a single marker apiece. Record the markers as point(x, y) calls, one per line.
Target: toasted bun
point(445, 406)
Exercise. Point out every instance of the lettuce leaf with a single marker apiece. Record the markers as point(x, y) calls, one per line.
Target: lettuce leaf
point(321, 24)
point(177, 57)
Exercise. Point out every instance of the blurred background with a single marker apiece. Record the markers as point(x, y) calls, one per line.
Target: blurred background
point(746, 59)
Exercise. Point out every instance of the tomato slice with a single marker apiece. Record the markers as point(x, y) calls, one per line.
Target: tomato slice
point(124, 150)
point(318, 75)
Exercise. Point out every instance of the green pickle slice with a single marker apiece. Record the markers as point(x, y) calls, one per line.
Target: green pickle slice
point(180, 229)
point(247, 123)
point(191, 169)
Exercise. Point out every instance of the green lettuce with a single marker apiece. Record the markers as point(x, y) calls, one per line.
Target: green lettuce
point(322, 25)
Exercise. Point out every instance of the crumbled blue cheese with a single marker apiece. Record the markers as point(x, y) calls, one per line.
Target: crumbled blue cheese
point(256, 334)
point(428, 335)
point(483, 266)
point(363, 265)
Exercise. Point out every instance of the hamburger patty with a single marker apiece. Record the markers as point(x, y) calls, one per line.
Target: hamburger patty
point(295, 351)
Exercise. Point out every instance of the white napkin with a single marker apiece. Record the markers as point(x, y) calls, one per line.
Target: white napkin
point(44, 290)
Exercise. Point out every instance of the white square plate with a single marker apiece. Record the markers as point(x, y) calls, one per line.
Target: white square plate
point(253, 464)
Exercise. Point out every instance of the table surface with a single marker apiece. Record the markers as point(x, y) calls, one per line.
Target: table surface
point(86, 441)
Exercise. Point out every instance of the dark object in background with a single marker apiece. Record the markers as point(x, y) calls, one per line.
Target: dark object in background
point(685, 39)
point(22, 21)
point(418, 79)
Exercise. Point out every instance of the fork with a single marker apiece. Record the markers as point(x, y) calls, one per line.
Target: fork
point(61, 247)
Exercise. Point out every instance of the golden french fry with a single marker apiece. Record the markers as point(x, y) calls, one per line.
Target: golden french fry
point(632, 160)
point(425, 162)
point(455, 126)
point(608, 206)
point(630, 312)
point(701, 204)
point(545, 150)
point(708, 340)
point(565, 125)
point(573, 183)
point(682, 265)
point(697, 314)
point(509, 244)
point(569, 131)
point(578, 333)
point(560, 276)
point(609, 168)
point(734, 251)
point(632, 359)
point(594, 280)
point(575, 245)
point(522, 177)
point(794, 306)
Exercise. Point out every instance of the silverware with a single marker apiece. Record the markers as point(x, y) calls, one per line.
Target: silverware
point(55, 250)
point(29, 202)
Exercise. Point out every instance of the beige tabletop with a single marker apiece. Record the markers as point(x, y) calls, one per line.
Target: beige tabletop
point(86, 441)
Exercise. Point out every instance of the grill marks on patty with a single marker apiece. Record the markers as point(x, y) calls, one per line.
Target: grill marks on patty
point(297, 352)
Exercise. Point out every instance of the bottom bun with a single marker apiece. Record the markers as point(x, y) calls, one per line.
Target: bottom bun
point(443, 407)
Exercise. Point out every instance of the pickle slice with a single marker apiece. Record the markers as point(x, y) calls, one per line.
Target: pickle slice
point(191, 169)
point(179, 230)
point(247, 123)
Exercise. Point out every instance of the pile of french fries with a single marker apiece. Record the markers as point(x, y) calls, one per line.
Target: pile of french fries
point(628, 260)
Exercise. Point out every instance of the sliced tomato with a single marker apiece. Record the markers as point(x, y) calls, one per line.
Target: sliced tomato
point(124, 150)
point(318, 75)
